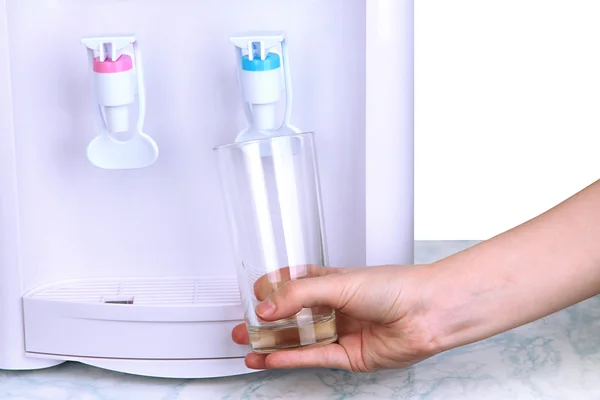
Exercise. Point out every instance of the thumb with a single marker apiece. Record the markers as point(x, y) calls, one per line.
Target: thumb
point(324, 291)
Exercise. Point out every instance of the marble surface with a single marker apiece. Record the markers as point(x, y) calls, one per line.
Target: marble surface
point(554, 358)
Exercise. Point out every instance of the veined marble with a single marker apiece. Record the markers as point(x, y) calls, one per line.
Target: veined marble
point(557, 357)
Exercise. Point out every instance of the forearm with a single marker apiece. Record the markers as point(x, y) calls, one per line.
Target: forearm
point(531, 271)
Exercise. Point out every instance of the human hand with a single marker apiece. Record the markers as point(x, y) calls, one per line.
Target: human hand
point(392, 316)
point(380, 316)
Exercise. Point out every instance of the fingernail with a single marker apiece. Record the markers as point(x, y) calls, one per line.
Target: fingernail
point(265, 308)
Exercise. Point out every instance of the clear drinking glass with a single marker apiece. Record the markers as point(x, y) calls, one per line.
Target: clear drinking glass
point(272, 197)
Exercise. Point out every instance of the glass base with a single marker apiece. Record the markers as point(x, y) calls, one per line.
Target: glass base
point(318, 332)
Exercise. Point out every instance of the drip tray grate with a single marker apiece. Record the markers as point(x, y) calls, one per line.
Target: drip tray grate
point(201, 291)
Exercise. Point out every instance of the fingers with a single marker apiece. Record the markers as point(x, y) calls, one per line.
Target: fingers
point(291, 298)
point(272, 281)
point(267, 284)
point(329, 356)
point(239, 334)
point(256, 361)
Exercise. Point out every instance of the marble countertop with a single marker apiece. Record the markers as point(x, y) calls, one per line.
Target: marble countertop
point(555, 358)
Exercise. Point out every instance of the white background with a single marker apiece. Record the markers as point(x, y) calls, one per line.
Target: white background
point(507, 111)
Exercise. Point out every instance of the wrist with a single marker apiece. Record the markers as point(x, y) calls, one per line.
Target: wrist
point(451, 312)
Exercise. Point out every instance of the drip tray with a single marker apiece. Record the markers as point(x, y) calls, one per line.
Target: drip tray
point(146, 318)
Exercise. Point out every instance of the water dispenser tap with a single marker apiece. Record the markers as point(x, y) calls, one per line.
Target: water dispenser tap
point(117, 78)
point(264, 77)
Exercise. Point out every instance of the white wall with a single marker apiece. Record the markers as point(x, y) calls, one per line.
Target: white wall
point(507, 111)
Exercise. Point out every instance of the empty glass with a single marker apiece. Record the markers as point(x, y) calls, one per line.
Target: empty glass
point(272, 197)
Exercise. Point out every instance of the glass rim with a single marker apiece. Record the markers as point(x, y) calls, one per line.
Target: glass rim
point(261, 140)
